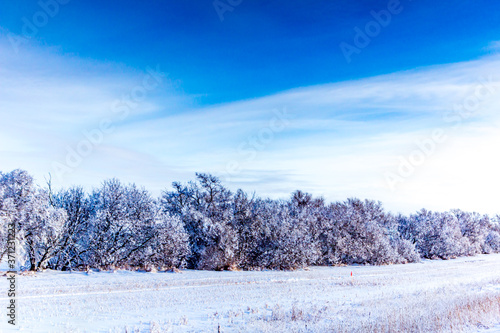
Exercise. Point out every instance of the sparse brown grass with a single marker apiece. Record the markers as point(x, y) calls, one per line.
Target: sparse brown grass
point(462, 314)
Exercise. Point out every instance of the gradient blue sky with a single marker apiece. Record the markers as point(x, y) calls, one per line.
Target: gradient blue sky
point(347, 124)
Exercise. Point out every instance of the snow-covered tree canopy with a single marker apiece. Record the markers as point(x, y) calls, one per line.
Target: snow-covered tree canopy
point(203, 225)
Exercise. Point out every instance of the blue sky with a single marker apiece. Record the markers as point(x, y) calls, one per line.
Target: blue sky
point(261, 47)
point(264, 98)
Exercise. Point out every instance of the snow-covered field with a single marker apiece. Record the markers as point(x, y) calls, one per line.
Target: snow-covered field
point(428, 296)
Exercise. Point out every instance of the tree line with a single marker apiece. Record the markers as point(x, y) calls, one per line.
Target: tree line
point(203, 225)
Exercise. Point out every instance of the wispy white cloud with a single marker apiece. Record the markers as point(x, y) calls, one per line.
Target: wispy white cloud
point(48, 101)
point(494, 46)
point(338, 140)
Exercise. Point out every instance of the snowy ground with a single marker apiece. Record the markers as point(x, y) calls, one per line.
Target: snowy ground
point(427, 296)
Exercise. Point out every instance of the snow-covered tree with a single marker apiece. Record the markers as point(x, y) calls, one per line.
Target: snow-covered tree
point(437, 235)
point(74, 243)
point(122, 224)
point(170, 246)
point(278, 237)
point(492, 240)
point(361, 232)
point(206, 209)
point(475, 228)
point(39, 225)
